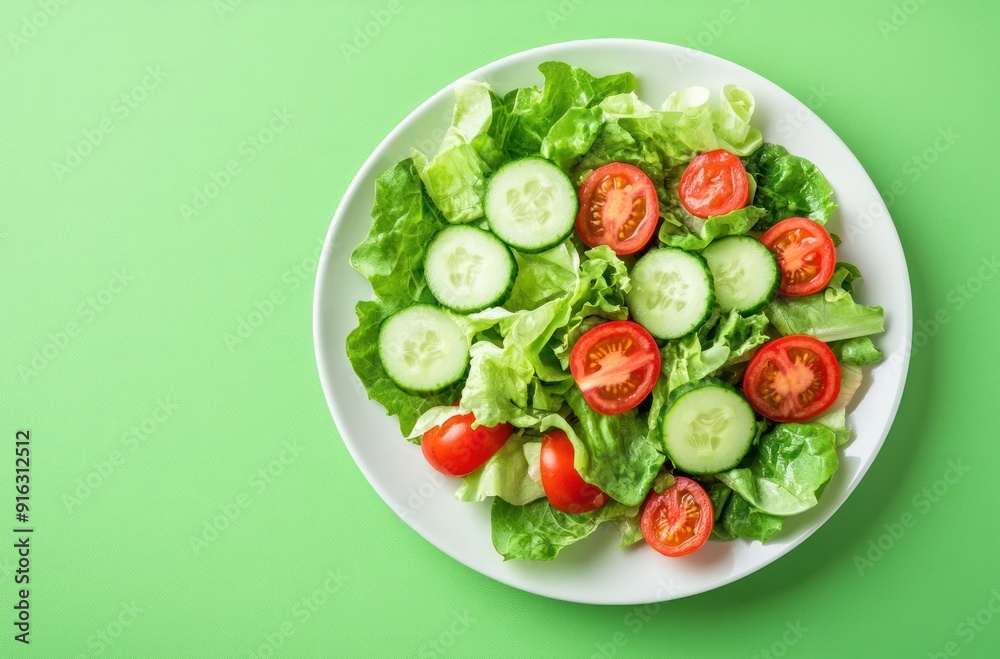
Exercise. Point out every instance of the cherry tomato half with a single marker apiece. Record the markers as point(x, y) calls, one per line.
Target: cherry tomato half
point(805, 255)
point(678, 521)
point(618, 208)
point(615, 365)
point(562, 483)
point(714, 183)
point(792, 379)
point(455, 448)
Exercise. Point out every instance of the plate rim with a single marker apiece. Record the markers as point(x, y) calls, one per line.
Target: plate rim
point(365, 171)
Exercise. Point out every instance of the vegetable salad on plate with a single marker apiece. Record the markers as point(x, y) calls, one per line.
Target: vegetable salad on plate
point(592, 310)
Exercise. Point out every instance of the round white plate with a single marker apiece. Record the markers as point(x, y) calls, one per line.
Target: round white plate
point(593, 570)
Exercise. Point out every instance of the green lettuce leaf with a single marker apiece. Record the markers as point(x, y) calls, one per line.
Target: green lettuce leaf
point(496, 390)
point(741, 520)
point(543, 277)
point(835, 417)
point(859, 351)
point(538, 532)
point(511, 474)
point(788, 469)
point(692, 233)
point(571, 136)
point(362, 350)
point(788, 186)
point(831, 315)
point(611, 452)
point(531, 112)
point(392, 254)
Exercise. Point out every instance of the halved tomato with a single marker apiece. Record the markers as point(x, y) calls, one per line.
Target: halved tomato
point(618, 208)
point(714, 183)
point(792, 379)
point(615, 365)
point(678, 521)
point(563, 486)
point(805, 255)
point(455, 448)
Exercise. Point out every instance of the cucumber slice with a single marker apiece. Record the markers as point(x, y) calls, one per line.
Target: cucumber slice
point(745, 273)
point(708, 428)
point(531, 204)
point(422, 349)
point(469, 269)
point(671, 293)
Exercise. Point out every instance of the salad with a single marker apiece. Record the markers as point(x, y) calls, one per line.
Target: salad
point(592, 310)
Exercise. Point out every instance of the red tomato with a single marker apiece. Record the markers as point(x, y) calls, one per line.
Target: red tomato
point(455, 448)
point(714, 183)
point(792, 379)
point(615, 365)
point(563, 486)
point(618, 208)
point(678, 521)
point(805, 255)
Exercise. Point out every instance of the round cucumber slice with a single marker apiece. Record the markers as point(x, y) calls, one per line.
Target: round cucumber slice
point(469, 269)
point(422, 349)
point(745, 273)
point(672, 292)
point(708, 428)
point(531, 204)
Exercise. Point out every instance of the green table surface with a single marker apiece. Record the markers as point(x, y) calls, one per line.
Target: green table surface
point(158, 345)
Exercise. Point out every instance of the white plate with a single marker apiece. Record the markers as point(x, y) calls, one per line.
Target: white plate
point(593, 570)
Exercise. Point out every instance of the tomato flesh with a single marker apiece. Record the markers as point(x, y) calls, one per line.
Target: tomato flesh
point(455, 448)
point(564, 488)
point(615, 365)
point(714, 183)
point(792, 379)
point(678, 521)
point(618, 208)
point(806, 255)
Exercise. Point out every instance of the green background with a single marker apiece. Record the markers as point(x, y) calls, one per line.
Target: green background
point(114, 572)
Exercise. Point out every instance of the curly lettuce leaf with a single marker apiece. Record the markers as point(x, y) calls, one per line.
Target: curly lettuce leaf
point(362, 350)
point(858, 352)
point(532, 112)
point(611, 452)
point(512, 474)
point(835, 417)
point(571, 136)
point(692, 233)
point(403, 223)
point(788, 186)
point(544, 276)
point(741, 520)
point(788, 469)
point(538, 532)
point(831, 315)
